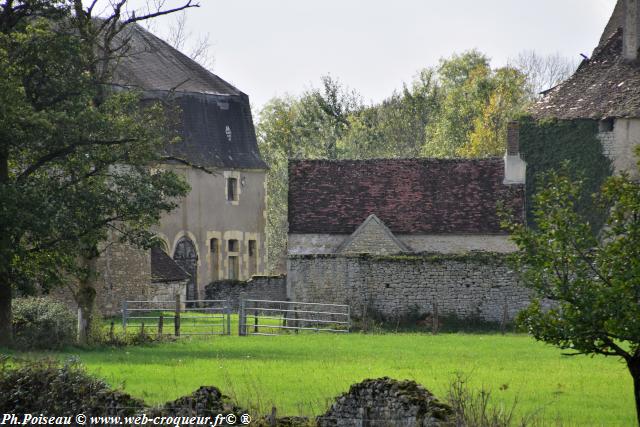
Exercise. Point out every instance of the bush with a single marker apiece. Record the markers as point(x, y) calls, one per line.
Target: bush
point(43, 386)
point(41, 323)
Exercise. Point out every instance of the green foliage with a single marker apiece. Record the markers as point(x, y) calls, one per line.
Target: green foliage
point(41, 323)
point(591, 284)
point(396, 127)
point(76, 157)
point(475, 105)
point(547, 145)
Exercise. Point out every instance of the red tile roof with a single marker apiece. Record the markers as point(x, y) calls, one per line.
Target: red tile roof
point(411, 196)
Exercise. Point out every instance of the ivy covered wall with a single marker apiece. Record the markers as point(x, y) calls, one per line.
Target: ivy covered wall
point(546, 144)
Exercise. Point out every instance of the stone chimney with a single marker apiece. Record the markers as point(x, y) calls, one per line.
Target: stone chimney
point(631, 30)
point(514, 167)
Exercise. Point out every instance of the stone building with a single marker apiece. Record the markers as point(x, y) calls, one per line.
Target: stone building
point(606, 88)
point(217, 232)
point(400, 236)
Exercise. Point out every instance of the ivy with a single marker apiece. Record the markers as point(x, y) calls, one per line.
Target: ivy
point(548, 144)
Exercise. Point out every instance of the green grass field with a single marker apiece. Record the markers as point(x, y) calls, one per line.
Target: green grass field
point(300, 374)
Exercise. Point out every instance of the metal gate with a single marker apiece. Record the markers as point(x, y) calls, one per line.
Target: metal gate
point(266, 317)
point(179, 318)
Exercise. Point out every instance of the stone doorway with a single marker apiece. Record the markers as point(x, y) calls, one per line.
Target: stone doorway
point(186, 257)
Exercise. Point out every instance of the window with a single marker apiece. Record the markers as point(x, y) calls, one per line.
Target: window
point(234, 268)
point(605, 125)
point(215, 249)
point(232, 189)
point(253, 259)
point(233, 245)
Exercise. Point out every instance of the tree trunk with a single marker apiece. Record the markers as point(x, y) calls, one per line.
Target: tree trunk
point(634, 368)
point(6, 329)
point(86, 297)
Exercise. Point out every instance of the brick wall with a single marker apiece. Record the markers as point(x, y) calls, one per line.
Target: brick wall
point(259, 287)
point(474, 286)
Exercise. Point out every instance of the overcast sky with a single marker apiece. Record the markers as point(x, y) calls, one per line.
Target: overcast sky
point(269, 48)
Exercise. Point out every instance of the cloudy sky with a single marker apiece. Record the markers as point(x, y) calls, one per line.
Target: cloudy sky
point(269, 48)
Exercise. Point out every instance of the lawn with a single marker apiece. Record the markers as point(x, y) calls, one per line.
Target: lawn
point(300, 374)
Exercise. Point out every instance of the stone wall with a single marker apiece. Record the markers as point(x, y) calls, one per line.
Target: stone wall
point(167, 291)
point(470, 286)
point(124, 274)
point(387, 402)
point(272, 288)
point(621, 151)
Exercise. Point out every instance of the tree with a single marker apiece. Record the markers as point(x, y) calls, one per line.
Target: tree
point(475, 106)
point(543, 71)
point(395, 127)
point(75, 156)
point(179, 36)
point(506, 100)
point(464, 82)
point(587, 286)
point(311, 126)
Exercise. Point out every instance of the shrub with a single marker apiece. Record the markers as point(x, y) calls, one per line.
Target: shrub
point(473, 408)
point(41, 323)
point(44, 386)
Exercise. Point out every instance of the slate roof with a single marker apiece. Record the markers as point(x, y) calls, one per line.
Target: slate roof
point(164, 268)
point(217, 128)
point(411, 196)
point(152, 64)
point(605, 86)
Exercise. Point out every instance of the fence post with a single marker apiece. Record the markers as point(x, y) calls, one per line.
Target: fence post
point(111, 334)
point(160, 324)
point(228, 311)
point(255, 320)
point(176, 320)
point(124, 316)
point(242, 318)
point(436, 322)
point(505, 315)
